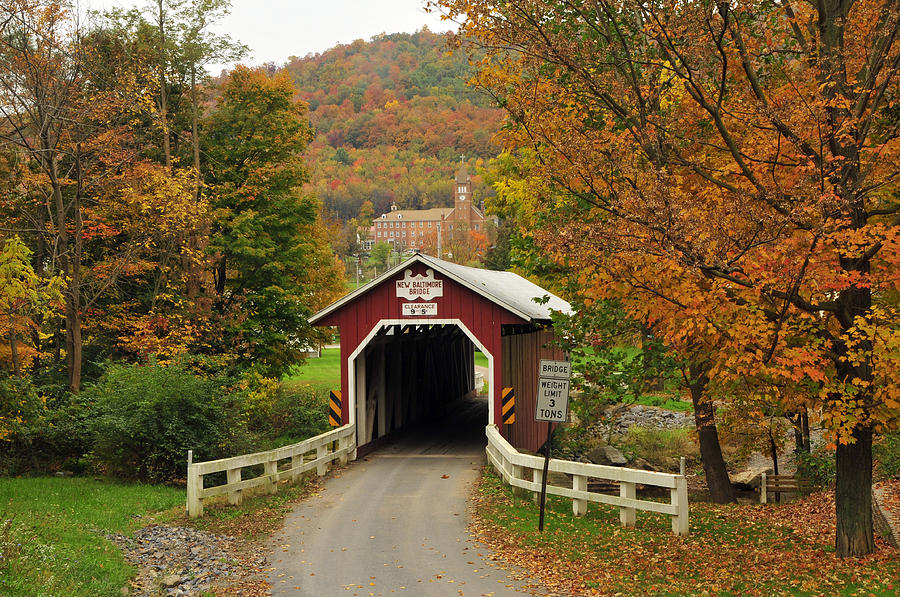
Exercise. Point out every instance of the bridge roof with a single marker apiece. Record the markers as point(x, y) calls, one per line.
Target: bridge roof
point(506, 289)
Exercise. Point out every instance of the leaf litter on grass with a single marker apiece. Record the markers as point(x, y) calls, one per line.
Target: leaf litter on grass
point(733, 549)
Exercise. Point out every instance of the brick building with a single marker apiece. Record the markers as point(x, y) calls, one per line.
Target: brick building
point(433, 230)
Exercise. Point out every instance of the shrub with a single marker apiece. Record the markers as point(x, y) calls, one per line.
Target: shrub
point(817, 467)
point(887, 455)
point(299, 413)
point(20, 407)
point(149, 416)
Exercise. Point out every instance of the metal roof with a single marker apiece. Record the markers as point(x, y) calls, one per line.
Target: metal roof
point(506, 289)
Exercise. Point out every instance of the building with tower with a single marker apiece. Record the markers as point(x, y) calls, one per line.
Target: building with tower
point(439, 230)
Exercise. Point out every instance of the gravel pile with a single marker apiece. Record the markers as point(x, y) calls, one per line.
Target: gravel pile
point(619, 420)
point(177, 560)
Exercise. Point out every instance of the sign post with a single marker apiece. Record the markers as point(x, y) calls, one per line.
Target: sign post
point(552, 406)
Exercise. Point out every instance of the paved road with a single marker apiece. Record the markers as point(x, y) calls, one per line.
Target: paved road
point(394, 524)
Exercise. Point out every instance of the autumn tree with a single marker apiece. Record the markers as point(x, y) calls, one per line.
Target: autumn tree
point(42, 105)
point(754, 146)
point(76, 102)
point(272, 267)
point(25, 301)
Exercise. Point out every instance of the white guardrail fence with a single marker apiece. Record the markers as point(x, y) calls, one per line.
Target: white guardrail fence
point(313, 453)
point(512, 466)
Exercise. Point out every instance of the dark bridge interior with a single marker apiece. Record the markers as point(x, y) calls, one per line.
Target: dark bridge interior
point(419, 380)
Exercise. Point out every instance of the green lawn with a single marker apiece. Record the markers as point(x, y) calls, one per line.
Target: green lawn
point(323, 372)
point(52, 534)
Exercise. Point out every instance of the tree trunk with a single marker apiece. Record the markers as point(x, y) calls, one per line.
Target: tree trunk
point(853, 496)
point(804, 420)
point(220, 277)
point(70, 264)
point(800, 423)
point(73, 342)
point(720, 489)
point(163, 108)
point(73, 317)
point(797, 424)
point(773, 449)
point(195, 139)
point(14, 354)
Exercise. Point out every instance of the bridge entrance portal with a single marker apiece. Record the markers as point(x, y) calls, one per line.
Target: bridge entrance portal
point(408, 340)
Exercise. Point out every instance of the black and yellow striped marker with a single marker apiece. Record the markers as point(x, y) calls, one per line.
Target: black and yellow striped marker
point(334, 409)
point(508, 406)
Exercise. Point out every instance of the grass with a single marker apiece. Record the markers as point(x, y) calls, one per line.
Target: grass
point(658, 446)
point(52, 534)
point(732, 550)
point(323, 372)
point(666, 401)
point(259, 514)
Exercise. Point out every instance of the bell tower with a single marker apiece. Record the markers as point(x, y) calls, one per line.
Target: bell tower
point(462, 197)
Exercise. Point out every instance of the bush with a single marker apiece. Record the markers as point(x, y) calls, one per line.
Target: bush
point(887, 455)
point(817, 467)
point(149, 416)
point(299, 413)
point(20, 407)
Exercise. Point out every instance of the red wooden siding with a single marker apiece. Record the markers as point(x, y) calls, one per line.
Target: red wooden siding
point(521, 356)
point(480, 315)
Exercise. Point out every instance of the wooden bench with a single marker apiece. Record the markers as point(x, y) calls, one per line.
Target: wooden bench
point(775, 484)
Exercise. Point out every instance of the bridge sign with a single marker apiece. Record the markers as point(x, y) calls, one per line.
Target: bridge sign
point(556, 369)
point(553, 391)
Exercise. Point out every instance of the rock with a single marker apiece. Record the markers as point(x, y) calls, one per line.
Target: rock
point(749, 477)
point(176, 560)
point(171, 580)
point(642, 464)
point(607, 455)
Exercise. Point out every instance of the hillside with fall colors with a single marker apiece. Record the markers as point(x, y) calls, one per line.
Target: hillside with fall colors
point(392, 116)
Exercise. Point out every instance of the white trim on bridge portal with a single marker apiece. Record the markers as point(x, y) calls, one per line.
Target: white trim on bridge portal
point(351, 364)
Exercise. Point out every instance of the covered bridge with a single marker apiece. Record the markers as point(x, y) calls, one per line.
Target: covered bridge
point(408, 340)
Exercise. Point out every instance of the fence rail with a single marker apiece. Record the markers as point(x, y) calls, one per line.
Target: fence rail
point(313, 453)
point(512, 465)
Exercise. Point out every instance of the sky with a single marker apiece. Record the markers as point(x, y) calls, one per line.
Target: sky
point(275, 30)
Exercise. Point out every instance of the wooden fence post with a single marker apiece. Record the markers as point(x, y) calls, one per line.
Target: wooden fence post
point(270, 470)
point(235, 496)
point(516, 472)
point(763, 493)
point(322, 467)
point(627, 516)
point(344, 448)
point(537, 476)
point(579, 506)
point(680, 500)
point(194, 485)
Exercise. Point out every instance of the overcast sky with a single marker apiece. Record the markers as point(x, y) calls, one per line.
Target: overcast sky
point(274, 30)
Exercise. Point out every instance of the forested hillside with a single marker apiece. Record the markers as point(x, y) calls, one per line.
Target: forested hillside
point(392, 116)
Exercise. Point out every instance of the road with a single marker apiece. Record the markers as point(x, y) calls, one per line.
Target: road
point(394, 523)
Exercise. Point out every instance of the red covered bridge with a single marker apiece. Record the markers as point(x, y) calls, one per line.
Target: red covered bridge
point(408, 340)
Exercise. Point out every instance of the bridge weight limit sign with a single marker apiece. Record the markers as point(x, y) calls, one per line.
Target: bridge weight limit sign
point(552, 406)
point(553, 391)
